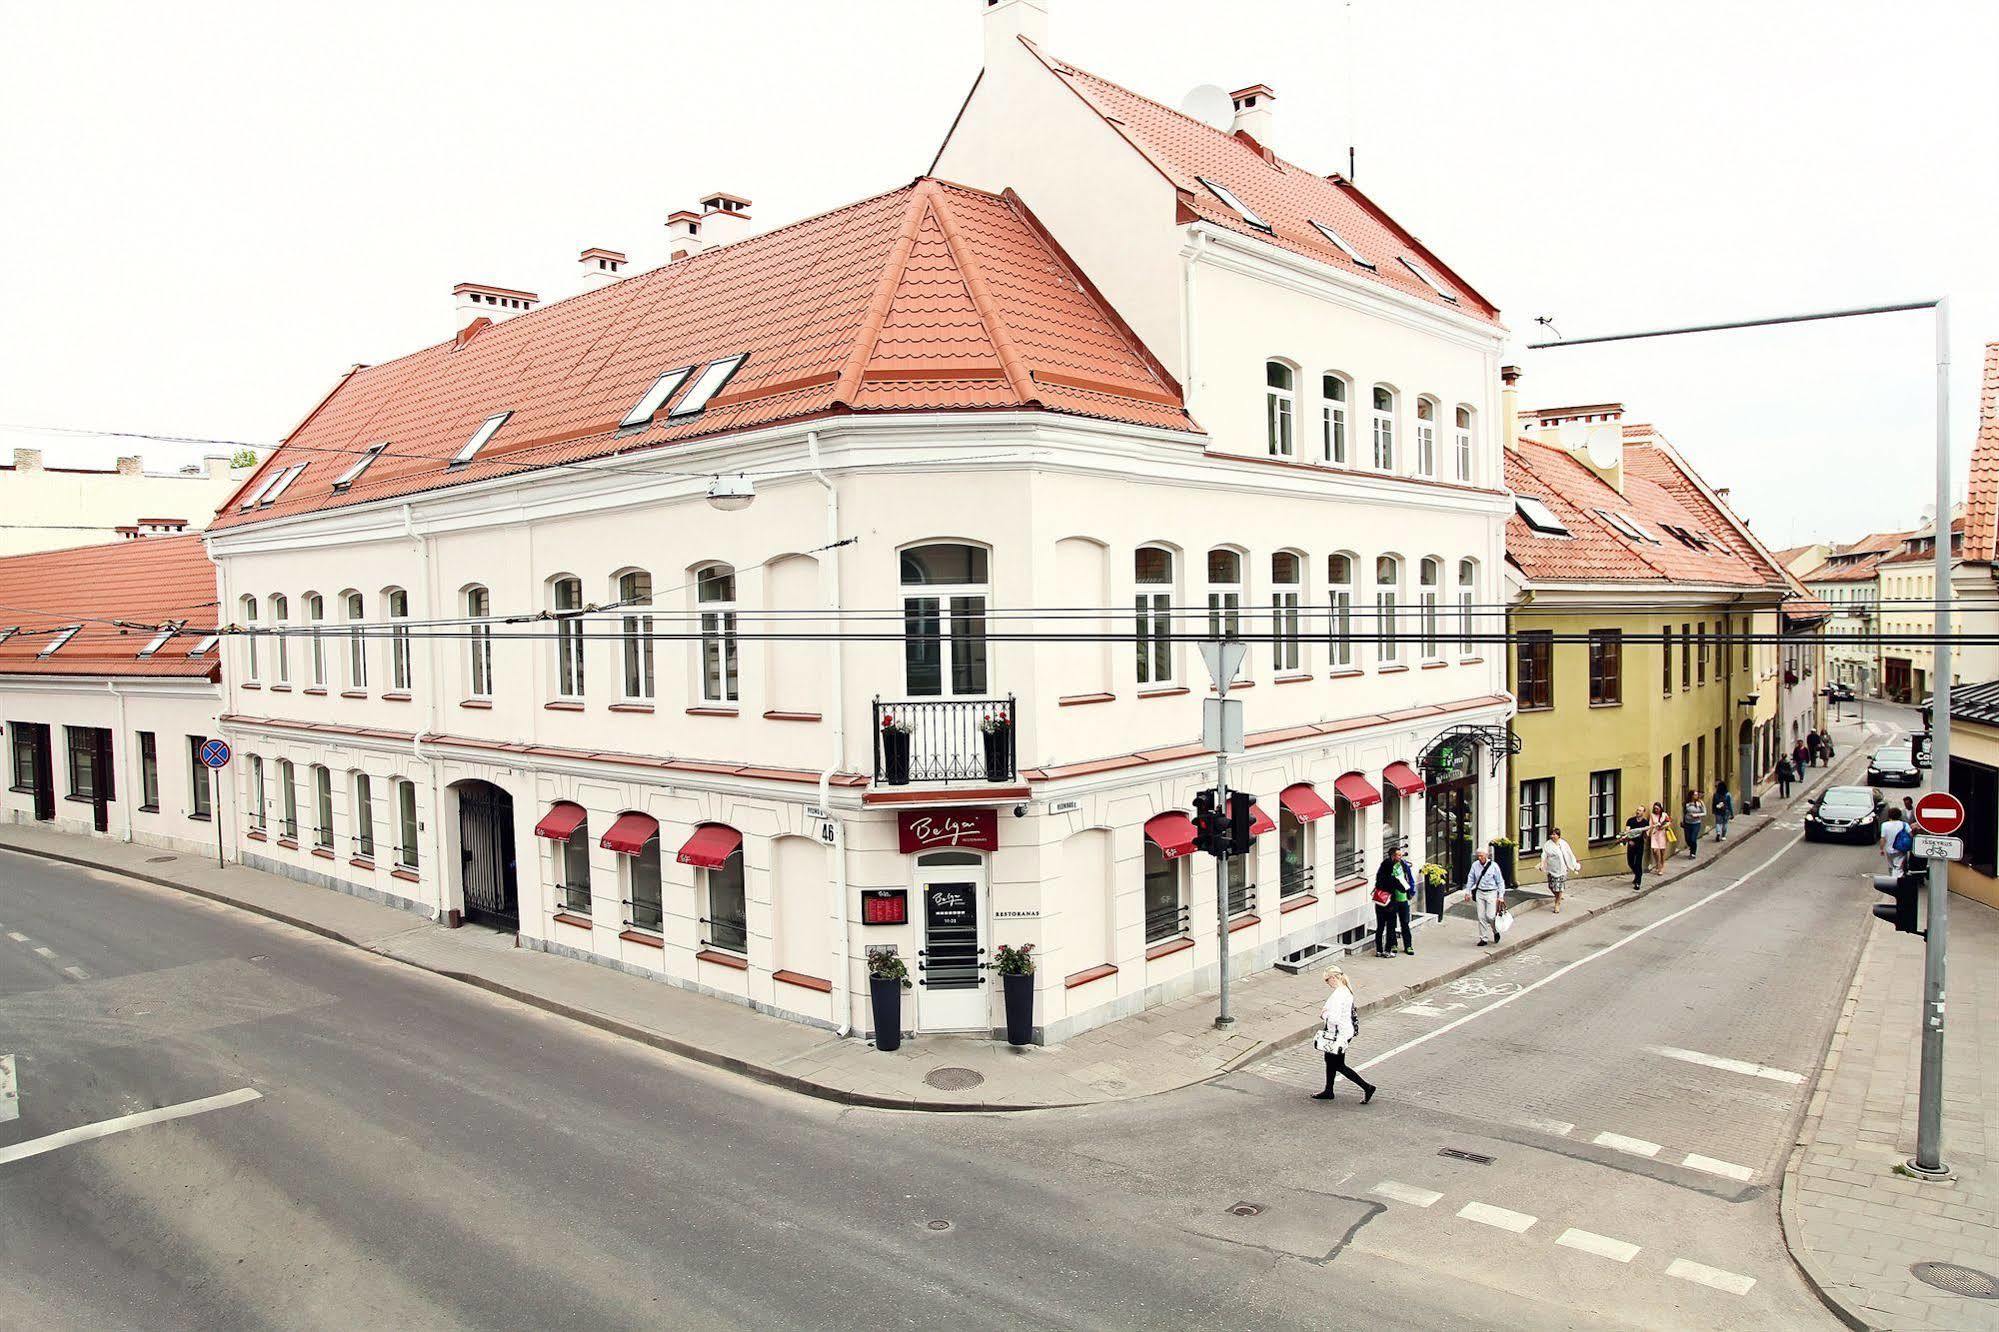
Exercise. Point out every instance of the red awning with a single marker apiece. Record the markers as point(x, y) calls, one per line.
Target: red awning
point(1357, 791)
point(711, 844)
point(630, 833)
point(1305, 803)
point(1403, 778)
point(1259, 822)
point(562, 819)
point(1172, 832)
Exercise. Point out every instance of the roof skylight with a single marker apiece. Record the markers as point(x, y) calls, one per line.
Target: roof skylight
point(55, 644)
point(160, 639)
point(713, 377)
point(1628, 525)
point(353, 474)
point(283, 483)
point(257, 495)
point(1539, 516)
point(655, 398)
point(479, 438)
point(8, 632)
point(1428, 281)
point(206, 645)
point(1340, 243)
point(1223, 193)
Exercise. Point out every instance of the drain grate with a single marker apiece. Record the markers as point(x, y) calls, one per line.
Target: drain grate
point(954, 1079)
point(1459, 1154)
point(159, 860)
point(937, 1225)
point(1246, 1209)
point(1966, 1281)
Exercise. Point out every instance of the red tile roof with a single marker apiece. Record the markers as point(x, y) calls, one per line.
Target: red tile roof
point(933, 297)
point(1919, 547)
point(140, 583)
point(1981, 535)
point(1657, 492)
point(1285, 195)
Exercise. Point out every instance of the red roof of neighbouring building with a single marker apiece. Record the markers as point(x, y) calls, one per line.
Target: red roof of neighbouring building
point(1285, 195)
point(1981, 509)
point(117, 594)
point(933, 297)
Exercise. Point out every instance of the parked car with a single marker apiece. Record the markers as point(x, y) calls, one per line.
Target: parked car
point(1839, 691)
point(1894, 765)
point(1843, 814)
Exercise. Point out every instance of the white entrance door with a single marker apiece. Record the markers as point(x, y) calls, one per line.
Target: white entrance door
point(952, 994)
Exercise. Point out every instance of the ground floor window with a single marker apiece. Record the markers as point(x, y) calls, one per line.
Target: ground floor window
point(648, 913)
point(1392, 835)
point(728, 917)
point(1349, 856)
point(258, 818)
point(364, 817)
point(84, 777)
point(1604, 803)
point(149, 774)
point(24, 759)
point(200, 780)
point(1978, 787)
point(322, 808)
point(1242, 888)
point(1294, 854)
point(1537, 799)
point(1165, 916)
point(287, 801)
point(406, 824)
point(572, 870)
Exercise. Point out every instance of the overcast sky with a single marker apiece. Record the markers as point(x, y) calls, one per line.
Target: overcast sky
point(212, 210)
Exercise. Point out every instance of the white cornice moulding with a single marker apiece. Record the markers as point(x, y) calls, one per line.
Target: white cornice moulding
point(93, 686)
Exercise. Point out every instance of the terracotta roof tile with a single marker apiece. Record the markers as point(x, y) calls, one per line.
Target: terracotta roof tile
point(1285, 195)
point(932, 297)
point(143, 582)
point(1981, 510)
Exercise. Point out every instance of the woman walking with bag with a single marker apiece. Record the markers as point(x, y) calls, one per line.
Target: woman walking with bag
point(1691, 816)
point(1340, 1025)
point(1558, 862)
point(1660, 837)
point(1723, 809)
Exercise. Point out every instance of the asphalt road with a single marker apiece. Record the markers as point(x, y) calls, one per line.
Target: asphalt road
point(422, 1154)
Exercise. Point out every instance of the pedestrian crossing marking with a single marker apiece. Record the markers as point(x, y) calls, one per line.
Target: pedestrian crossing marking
point(1603, 1246)
point(1561, 1128)
point(1635, 1146)
point(1730, 1065)
point(1406, 1193)
point(17, 936)
point(1487, 1215)
point(76, 973)
point(1713, 1277)
point(45, 952)
point(1726, 1169)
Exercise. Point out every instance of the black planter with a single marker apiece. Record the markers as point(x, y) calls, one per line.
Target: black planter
point(1502, 856)
point(999, 756)
point(886, 995)
point(895, 758)
point(1019, 1008)
point(1433, 898)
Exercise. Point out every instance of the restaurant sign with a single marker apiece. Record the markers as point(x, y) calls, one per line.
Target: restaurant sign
point(936, 829)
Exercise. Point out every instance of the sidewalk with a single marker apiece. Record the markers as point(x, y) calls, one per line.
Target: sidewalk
point(1853, 1223)
point(1171, 1046)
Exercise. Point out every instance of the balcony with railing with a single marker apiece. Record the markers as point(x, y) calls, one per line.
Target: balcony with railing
point(936, 740)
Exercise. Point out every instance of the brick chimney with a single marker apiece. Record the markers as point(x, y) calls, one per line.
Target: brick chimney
point(477, 300)
point(1007, 21)
point(1509, 401)
point(1255, 113)
point(724, 218)
point(1592, 434)
point(600, 267)
point(27, 460)
point(683, 235)
point(131, 466)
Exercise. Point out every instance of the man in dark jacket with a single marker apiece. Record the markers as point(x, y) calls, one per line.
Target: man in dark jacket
point(1397, 878)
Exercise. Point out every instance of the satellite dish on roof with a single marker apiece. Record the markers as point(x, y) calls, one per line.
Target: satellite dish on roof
point(1210, 105)
point(1605, 449)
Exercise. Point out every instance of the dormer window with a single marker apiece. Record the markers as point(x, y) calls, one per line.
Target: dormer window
point(1223, 193)
point(479, 438)
point(353, 474)
point(205, 646)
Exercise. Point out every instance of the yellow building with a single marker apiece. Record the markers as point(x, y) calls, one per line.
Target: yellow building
point(1645, 620)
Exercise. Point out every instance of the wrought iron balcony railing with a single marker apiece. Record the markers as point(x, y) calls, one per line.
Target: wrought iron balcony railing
point(944, 740)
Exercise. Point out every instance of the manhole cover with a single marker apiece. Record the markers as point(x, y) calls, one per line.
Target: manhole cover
point(1459, 1154)
point(1968, 1281)
point(937, 1225)
point(159, 860)
point(953, 1079)
point(1246, 1209)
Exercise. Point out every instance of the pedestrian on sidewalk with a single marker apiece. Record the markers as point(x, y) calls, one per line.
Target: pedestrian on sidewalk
point(1637, 830)
point(1799, 756)
point(1487, 885)
point(1384, 905)
point(1815, 749)
point(1401, 892)
point(1558, 862)
point(1693, 814)
point(1895, 841)
point(1825, 743)
point(1340, 1024)
point(1785, 775)
point(1909, 810)
point(1722, 806)
point(1660, 837)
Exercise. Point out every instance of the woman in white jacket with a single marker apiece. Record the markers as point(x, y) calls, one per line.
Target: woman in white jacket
point(1558, 862)
point(1341, 1025)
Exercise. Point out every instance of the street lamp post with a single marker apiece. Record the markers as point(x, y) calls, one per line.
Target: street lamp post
point(1928, 1160)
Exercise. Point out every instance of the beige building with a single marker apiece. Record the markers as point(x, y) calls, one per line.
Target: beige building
point(55, 508)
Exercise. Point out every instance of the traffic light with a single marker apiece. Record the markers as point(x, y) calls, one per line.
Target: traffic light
point(1210, 825)
point(1901, 913)
point(1240, 838)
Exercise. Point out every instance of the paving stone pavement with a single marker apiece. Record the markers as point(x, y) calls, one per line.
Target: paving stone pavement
point(1854, 1224)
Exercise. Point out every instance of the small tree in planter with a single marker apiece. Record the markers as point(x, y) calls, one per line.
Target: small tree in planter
point(895, 749)
point(1016, 969)
point(996, 731)
point(888, 977)
point(1502, 855)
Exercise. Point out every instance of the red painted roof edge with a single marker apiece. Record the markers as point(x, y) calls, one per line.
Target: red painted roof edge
point(1425, 251)
point(236, 495)
point(958, 120)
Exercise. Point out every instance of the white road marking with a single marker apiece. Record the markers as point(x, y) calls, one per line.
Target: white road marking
point(1603, 1246)
point(45, 952)
point(21, 1151)
point(1560, 1128)
point(1429, 1010)
point(1730, 1065)
point(1486, 1215)
point(1406, 1193)
point(1726, 1169)
point(10, 1093)
point(17, 936)
point(1703, 1275)
point(76, 973)
point(1618, 1142)
point(1596, 956)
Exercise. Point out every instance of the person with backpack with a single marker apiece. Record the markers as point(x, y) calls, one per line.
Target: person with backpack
point(1339, 1025)
point(1722, 806)
point(1786, 774)
point(1896, 841)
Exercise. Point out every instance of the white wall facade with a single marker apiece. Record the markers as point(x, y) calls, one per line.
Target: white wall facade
point(55, 508)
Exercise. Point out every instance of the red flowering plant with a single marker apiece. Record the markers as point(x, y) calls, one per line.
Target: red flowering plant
point(992, 723)
point(900, 725)
point(1011, 961)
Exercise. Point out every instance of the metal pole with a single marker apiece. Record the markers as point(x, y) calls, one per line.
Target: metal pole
point(1928, 1161)
point(1222, 1018)
point(215, 785)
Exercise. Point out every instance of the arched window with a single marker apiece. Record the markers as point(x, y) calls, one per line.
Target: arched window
point(281, 646)
point(635, 637)
point(572, 870)
point(1384, 428)
point(288, 801)
point(1225, 593)
point(1294, 853)
point(479, 643)
point(364, 816)
point(566, 600)
point(322, 807)
point(643, 879)
point(1461, 445)
point(1280, 396)
point(1286, 577)
point(1339, 618)
point(1152, 574)
point(406, 853)
point(725, 911)
point(1349, 856)
point(944, 597)
point(1165, 914)
point(1426, 436)
point(315, 616)
point(1387, 584)
point(1336, 396)
point(357, 642)
point(400, 674)
point(248, 616)
point(259, 812)
point(1430, 589)
point(715, 592)
point(1467, 598)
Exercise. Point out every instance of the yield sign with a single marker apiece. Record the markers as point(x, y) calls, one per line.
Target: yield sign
point(1940, 813)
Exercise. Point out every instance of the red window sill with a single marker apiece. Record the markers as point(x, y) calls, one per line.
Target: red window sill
point(250, 684)
point(353, 693)
point(649, 940)
point(646, 708)
point(256, 836)
point(288, 843)
point(1291, 679)
point(281, 689)
point(1471, 661)
point(562, 707)
point(482, 704)
point(1613, 703)
point(1087, 975)
point(1294, 903)
point(322, 853)
point(1395, 669)
point(1239, 684)
point(714, 712)
point(1173, 692)
point(729, 960)
point(578, 921)
point(1345, 673)
point(406, 875)
point(1167, 949)
point(1081, 700)
point(361, 862)
point(1435, 665)
point(803, 981)
point(1348, 885)
point(1244, 922)
point(396, 696)
point(776, 715)
point(317, 691)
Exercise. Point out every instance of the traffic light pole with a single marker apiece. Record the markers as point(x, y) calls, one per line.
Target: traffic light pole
point(1222, 1018)
point(1928, 1160)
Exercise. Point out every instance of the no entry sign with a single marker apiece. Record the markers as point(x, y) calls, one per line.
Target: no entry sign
point(1940, 813)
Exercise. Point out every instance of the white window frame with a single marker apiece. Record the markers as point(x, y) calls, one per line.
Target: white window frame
point(955, 605)
point(479, 642)
point(1226, 598)
point(636, 678)
point(714, 377)
point(1339, 243)
point(347, 478)
point(655, 397)
point(1603, 823)
point(1430, 591)
point(1152, 612)
point(720, 671)
point(322, 807)
point(565, 598)
point(1335, 419)
point(355, 606)
point(1227, 196)
point(1467, 615)
point(363, 820)
point(315, 615)
point(1387, 622)
point(280, 649)
point(1461, 440)
point(407, 829)
point(401, 673)
point(1339, 610)
point(1537, 813)
point(1426, 437)
point(247, 607)
point(1382, 427)
point(1287, 653)
point(480, 438)
point(1280, 409)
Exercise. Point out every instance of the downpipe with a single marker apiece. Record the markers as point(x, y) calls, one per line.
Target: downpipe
point(829, 581)
point(421, 546)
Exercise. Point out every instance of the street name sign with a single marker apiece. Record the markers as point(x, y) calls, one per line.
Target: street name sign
point(1940, 813)
point(1932, 847)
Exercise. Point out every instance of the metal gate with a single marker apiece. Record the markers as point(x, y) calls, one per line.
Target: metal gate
point(486, 855)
